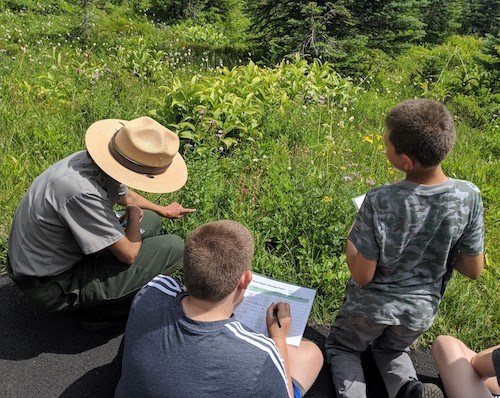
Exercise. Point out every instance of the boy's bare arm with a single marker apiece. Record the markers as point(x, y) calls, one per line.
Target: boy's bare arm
point(470, 266)
point(278, 322)
point(362, 269)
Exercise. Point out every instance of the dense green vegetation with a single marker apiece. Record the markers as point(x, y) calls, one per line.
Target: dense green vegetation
point(281, 147)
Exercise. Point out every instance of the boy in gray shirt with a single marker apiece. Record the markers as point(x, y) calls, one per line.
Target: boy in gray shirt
point(401, 250)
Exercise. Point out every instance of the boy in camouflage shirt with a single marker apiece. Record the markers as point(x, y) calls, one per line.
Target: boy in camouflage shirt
point(401, 250)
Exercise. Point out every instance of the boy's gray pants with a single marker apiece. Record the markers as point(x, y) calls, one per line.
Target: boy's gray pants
point(350, 336)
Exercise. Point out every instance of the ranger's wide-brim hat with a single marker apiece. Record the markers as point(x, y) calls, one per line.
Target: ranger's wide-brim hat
point(140, 153)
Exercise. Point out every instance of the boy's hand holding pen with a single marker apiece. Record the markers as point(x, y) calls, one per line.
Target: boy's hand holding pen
point(278, 320)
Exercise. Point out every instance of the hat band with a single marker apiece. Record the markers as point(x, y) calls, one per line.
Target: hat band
point(149, 171)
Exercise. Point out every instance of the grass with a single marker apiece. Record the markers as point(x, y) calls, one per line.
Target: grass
point(292, 183)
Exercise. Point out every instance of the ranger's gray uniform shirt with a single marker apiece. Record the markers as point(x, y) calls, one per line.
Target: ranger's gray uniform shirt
point(66, 213)
point(413, 232)
point(167, 354)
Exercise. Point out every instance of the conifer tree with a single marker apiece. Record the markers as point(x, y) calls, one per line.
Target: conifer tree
point(480, 17)
point(441, 19)
point(390, 25)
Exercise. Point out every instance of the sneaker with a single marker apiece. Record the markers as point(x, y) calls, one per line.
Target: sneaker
point(430, 390)
point(427, 390)
point(417, 389)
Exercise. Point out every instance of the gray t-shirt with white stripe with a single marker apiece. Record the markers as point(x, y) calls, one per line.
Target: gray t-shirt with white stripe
point(167, 354)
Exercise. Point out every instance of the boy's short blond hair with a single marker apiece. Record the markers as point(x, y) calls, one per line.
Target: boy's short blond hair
point(422, 129)
point(216, 255)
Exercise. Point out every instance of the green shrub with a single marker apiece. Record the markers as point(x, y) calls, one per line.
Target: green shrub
point(231, 104)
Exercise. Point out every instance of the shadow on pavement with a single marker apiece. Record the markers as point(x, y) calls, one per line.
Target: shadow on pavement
point(26, 333)
point(98, 382)
point(50, 355)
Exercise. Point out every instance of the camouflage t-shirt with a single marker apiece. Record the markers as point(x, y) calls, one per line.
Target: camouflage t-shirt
point(414, 232)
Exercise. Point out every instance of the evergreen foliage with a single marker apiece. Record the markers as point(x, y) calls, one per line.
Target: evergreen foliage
point(391, 25)
point(198, 10)
point(481, 17)
point(344, 32)
point(441, 19)
point(489, 58)
point(285, 27)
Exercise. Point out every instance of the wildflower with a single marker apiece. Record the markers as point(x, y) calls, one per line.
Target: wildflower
point(341, 124)
point(351, 118)
point(255, 160)
point(289, 168)
point(369, 181)
point(326, 199)
point(347, 178)
point(368, 139)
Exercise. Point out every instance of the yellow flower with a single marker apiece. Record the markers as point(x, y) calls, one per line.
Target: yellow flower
point(367, 138)
point(327, 199)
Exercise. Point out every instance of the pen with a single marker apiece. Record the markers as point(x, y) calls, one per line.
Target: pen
point(275, 314)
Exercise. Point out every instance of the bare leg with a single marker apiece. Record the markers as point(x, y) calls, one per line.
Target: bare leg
point(306, 362)
point(459, 378)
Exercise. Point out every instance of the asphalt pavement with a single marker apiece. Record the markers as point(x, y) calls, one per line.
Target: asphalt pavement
point(49, 355)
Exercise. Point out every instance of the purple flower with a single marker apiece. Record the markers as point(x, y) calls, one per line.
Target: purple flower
point(369, 181)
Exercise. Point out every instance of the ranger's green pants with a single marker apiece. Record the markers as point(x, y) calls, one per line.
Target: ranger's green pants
point(101, 282)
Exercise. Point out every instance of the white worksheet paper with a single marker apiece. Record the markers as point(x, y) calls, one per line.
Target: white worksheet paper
point(264, 291)
point(358, 201)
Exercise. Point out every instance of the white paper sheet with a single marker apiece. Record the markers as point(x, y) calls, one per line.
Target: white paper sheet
point(358, 201)
point(264, 291)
